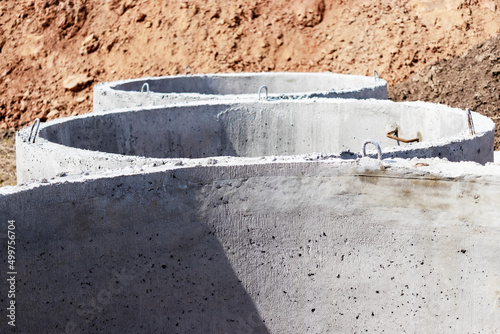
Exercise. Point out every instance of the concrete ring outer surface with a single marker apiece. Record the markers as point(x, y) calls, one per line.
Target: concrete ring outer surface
point(231, 86)
point(272, 247)
point(234, 131)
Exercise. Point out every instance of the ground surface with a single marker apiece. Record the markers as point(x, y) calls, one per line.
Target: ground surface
point(53, 51)
point(468, 81)
point(7, 159)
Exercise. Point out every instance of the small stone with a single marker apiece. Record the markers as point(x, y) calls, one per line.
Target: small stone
point(89, 39)
point(80, 99)
point(54, 113)
point(495, 71)
point(140, 17)
point(90, 44)
point(112, 43)
point(76, 83)
point(491, 5)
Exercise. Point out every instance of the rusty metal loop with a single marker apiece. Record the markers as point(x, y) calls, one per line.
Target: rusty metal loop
point(472, 131)
point(394, 135)
point(267, 91)
point(37, 122)
point(190, 70)
point(373, 142)
point(145, 85)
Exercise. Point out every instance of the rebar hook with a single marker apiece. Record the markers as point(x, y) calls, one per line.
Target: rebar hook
point(472, 131)
point(190, 70)
point(267, 91)
point(373, 142)
point(37, 122)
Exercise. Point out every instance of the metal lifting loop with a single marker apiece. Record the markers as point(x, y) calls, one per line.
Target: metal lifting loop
point(472, 131)
point(375, 74)
point(145, 85)
point(394, 135)
point(373, 142)
point(267, 91)
point(190, 70)
point(37, 122)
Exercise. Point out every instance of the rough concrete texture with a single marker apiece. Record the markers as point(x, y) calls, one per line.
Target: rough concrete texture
point(280, 247)
point(204, 130)
point(230, 86)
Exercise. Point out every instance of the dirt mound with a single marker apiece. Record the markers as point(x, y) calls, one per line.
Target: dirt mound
point(47, 43)
point(468, 81)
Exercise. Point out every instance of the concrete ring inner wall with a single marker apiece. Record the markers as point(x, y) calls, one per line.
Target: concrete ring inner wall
point(283, 85)
point(274, 248)
point(254, 129)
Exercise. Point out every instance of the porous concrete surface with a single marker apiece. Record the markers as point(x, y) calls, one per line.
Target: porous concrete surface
point(303, 247)
point(231, 86)
point(206, 130)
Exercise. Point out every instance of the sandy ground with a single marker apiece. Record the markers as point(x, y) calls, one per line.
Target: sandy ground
point(471, 80)
point(7, 160)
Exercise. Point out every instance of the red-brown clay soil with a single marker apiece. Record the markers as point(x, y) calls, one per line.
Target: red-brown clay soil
point(53, 51)
point(471, 80)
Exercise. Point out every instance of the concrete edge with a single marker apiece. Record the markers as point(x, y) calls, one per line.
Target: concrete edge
point(107, 96)
point(47, 151)
point(428, 168)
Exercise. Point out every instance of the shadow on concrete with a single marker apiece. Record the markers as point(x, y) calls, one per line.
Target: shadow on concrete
point(116, 257)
